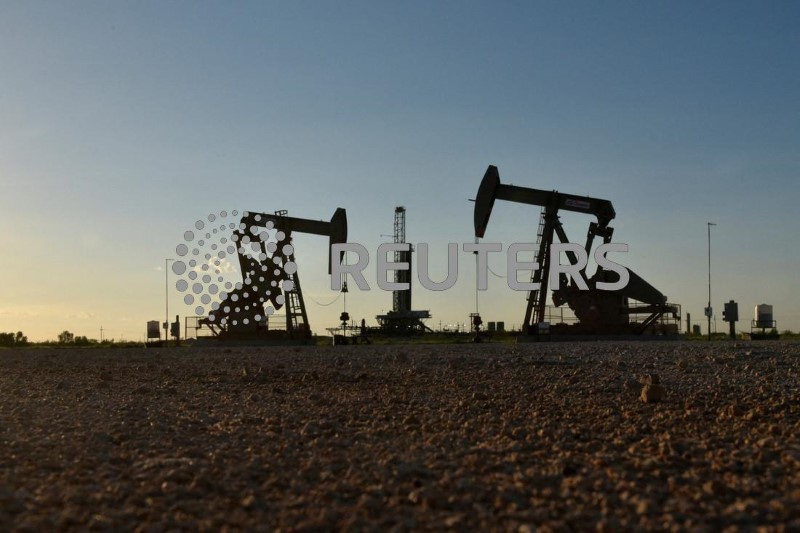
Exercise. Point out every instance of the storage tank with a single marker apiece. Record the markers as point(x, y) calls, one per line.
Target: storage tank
point(153, 331)
point(763, 314)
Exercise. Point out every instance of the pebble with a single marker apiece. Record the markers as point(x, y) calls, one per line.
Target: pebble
point(652, 391)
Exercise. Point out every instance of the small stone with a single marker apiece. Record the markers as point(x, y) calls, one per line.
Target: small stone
point(248, 501)
point(766, 442)
point(310, 430)
point(453, 520)
point(652, 393)
point(711, 487)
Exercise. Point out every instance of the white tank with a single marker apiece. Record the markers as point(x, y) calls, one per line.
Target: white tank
point(764, 316)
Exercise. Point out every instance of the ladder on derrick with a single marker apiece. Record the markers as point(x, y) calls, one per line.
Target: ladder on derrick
point(536, 298)
point(296, 317)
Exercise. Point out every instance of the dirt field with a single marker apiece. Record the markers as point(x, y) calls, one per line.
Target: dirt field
point(527, 437)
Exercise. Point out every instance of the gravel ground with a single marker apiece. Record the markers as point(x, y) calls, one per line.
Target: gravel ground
point(530, 437)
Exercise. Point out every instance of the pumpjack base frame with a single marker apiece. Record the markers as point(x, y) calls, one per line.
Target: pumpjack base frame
point(212, 342)
point(204, 333)
point(593, 338)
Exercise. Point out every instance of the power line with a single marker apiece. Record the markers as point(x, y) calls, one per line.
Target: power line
point(326, 304)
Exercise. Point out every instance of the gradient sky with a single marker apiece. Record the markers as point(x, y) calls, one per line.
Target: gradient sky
point(121, 123)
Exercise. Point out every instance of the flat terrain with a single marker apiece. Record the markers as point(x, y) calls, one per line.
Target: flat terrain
point(495, 436)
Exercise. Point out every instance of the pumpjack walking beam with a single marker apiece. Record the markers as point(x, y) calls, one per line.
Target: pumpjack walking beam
point(335, 229)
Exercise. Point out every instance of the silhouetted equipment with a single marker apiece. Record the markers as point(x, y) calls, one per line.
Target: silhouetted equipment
point(153, 334)
point(270, 278)
point(349, 333)
point(764, 325)
point(763, 316)
point(477, 322)
point(597, 311)
point(402, 320)
point(730, 314)
point(175, 329)
point(341, 338)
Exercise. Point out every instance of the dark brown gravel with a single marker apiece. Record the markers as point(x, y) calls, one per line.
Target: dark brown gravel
point(530, 437)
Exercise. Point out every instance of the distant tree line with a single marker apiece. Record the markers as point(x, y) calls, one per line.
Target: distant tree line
point(67, 337)
point(17, 339)
point(13, 339)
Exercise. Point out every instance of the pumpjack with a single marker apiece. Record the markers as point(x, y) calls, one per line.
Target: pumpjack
point(270, 279)
point(598, 311)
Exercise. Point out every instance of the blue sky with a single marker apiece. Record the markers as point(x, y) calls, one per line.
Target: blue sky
point(122, 123)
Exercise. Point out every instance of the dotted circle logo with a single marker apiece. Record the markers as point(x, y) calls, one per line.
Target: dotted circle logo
point(233, 270)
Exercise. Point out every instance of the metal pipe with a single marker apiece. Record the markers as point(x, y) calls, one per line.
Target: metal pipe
point(709, 279)
point(166, 295)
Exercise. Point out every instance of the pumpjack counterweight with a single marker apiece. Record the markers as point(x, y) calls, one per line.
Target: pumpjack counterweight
point(597, 311)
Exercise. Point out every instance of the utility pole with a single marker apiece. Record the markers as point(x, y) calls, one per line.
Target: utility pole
point(101, 334)
point(166, 293)
point(709, 311)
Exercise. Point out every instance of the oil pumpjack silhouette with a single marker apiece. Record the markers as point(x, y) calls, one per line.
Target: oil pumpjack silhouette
point(637, 309)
